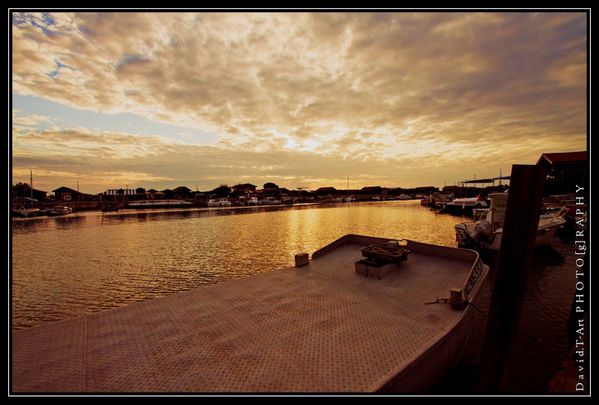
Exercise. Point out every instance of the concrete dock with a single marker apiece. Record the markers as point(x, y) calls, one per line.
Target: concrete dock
point(316, 328)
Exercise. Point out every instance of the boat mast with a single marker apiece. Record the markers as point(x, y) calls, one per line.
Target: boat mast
point(31, 185)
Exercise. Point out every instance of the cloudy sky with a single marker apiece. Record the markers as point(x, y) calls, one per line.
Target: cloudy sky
point(302, 99)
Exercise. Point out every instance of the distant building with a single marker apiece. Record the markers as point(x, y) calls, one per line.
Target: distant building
point(325, 191)
point(371, 190)
point(120, 191)
point(372, 193)
point(450, 189)
point(154, 194)
point(168, 193)
point(244, 188)
point(68, 194)
point(182, 191)
point(39, 195)
point(423, 190)
point(564, 171)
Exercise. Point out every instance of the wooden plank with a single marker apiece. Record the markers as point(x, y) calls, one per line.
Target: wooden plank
point(515, 259)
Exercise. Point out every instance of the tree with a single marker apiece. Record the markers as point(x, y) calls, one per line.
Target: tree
point(21, 190)
point(270, 185)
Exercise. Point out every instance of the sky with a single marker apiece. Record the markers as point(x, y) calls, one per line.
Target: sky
point(396, 99)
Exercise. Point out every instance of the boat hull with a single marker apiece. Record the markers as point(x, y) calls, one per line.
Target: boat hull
point(459, 209)
point(427, 369)
point(436, 362)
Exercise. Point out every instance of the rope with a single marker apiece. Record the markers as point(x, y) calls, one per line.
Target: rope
point(447, 301)
point(478, 309)
point(438, 301)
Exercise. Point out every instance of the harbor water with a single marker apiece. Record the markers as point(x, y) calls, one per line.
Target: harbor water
point(74, 265)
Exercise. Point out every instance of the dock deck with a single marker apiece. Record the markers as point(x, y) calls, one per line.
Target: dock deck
point(317, 328)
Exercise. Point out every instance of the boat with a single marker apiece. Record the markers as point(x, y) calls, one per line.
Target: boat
point(465, 206)
point(158, 204)
point(60, 210)
point(487, 230)
point(270, 201)
point(20, 210)
point(219, 202)
point(436, 200)
point(318, 327)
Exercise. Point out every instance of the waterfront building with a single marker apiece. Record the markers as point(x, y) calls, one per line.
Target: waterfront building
point(564, 171)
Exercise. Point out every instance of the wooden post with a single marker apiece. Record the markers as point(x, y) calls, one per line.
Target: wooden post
point(515, 259)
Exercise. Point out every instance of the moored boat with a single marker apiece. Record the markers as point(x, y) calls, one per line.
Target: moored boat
point(270, 201)
point(219, 202)
point(158, 204)
point(465, 206)
point(321, 327)
point(486, 232)
point(60, 210)
point(26, 212)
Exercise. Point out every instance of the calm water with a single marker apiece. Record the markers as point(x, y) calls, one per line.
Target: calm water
point(69, 266)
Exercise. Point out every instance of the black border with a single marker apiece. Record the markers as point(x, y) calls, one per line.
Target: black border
point(175, 7)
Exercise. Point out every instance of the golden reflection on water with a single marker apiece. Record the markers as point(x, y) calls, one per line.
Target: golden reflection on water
point(69, 266)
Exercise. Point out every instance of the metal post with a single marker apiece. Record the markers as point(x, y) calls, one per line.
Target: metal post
point(515, 259)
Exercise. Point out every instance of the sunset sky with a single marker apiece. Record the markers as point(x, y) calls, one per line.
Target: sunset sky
point(158, 100)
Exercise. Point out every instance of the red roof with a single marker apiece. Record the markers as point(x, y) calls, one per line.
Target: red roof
point(564, 157)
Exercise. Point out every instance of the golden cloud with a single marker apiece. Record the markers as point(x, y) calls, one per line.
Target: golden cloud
point(359, 87)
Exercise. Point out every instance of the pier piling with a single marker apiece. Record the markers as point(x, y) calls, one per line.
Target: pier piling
point(515, 258)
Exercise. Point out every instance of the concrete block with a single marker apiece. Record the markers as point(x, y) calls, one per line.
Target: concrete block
point(301, 259)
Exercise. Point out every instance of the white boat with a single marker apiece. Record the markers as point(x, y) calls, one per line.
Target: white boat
point(219, 202)
point(487, 231)
point(60, 210)
point(270, 201)
point(321, 327)
point(25, 212)
point(465, 205)
point(158, 203)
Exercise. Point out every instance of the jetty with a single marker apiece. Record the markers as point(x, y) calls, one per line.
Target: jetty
point(318, 327)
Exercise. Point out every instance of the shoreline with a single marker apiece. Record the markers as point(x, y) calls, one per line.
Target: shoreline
point(150, 210)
